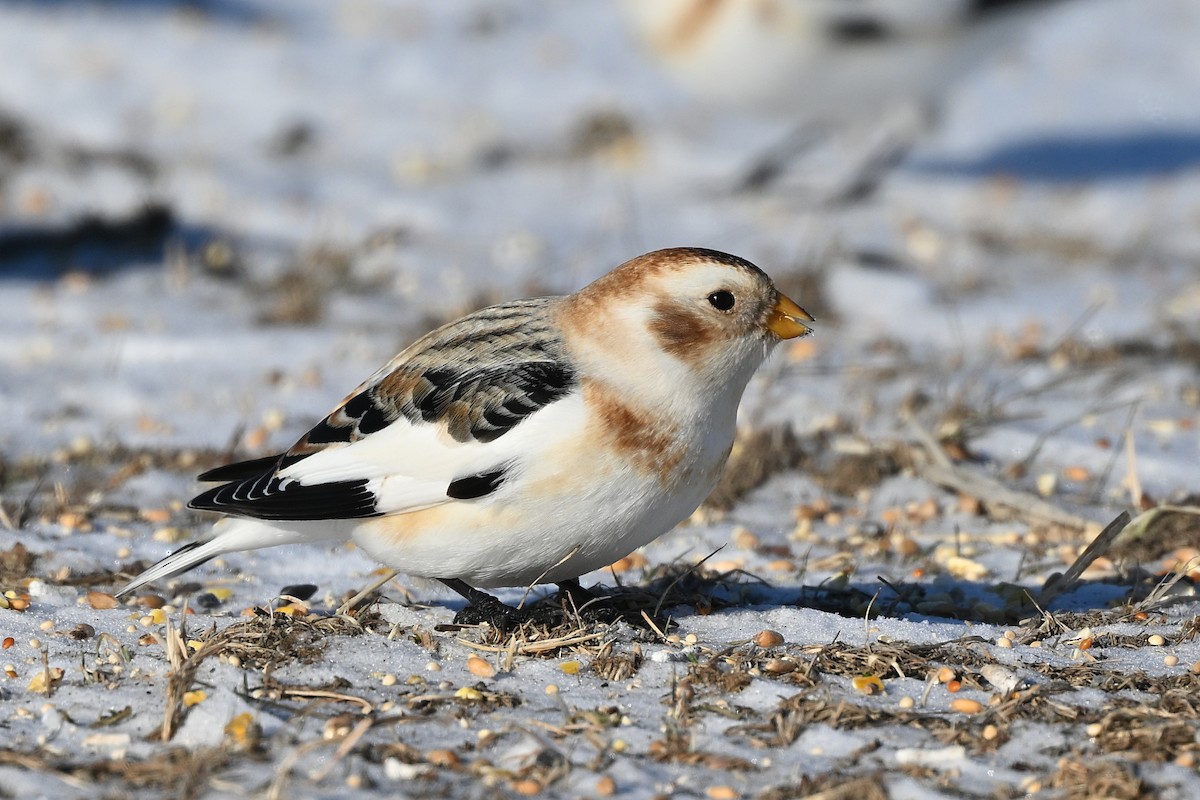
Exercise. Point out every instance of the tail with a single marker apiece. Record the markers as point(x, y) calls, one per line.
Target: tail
point(230, 535)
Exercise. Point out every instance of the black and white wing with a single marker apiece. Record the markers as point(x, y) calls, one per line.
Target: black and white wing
point(436, 424)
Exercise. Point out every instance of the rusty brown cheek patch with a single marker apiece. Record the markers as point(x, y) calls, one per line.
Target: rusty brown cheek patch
point(682, 333)
point(641, 438)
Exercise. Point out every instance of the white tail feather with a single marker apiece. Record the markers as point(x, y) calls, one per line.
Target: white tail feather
point(231, 535)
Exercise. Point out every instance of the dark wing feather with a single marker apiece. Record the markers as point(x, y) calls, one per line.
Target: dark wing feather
point(478, 377)
point(271, 497)
point(241, 470)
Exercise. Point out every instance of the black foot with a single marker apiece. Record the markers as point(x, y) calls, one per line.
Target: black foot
point(482, 607)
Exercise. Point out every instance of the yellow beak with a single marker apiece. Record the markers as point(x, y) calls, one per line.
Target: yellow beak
point(784, 319)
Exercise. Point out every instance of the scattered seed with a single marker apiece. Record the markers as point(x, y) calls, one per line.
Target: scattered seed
point(1003, 678)
point(1095, 729)
point(945, 675)
point(527, 787)
point(1004, 642)
point(338, 727)
point(442, 758)
point(768, 638)
point(1156, 640)
point(551, 689)
point(194, 697)
point(570, 667)
point(1076, 473)
point(867, 684)
point(243, 731)
point(743, 538)
point(990, 732)
point(906, 702)
point(965, 705)
point(606, 786)
point(433, 666)
point(1170, 661)
point(480, 667)
point(953, 686)
point(8, 642)
point(157, 516)
point(721, 793)
point(101, 600)
point(388, 680)
point(779, 666)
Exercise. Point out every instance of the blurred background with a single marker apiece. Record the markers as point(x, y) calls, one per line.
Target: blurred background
point(217, 215)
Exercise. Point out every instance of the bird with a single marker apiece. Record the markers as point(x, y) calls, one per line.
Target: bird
point(825, 64)
point(527, 442)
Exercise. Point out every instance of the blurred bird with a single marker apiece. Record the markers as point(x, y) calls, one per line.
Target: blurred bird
point(825, 63)
point(529, 442)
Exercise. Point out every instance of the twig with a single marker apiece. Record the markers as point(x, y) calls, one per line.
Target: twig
point(346, 607)
point(1057, 583)
point(941, 470)
point(344, 748)
point(365, 704)
point(545, 572)
point(662, 598)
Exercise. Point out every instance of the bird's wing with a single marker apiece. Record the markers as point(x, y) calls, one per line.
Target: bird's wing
point(432, 426)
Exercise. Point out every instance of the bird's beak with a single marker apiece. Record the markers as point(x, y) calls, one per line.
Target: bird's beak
point(784, 319)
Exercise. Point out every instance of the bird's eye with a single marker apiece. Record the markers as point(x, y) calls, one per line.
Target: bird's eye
point(721, 301)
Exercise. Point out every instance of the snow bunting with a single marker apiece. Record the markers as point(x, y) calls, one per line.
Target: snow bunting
point(527, 442)
point(824, 62)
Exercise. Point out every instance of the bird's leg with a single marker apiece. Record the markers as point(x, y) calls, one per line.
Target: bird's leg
point(482, 607)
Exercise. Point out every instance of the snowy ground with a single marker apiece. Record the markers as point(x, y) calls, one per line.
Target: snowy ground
point(217, 217)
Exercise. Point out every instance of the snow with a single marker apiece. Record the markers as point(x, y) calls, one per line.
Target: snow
point(406, 161)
